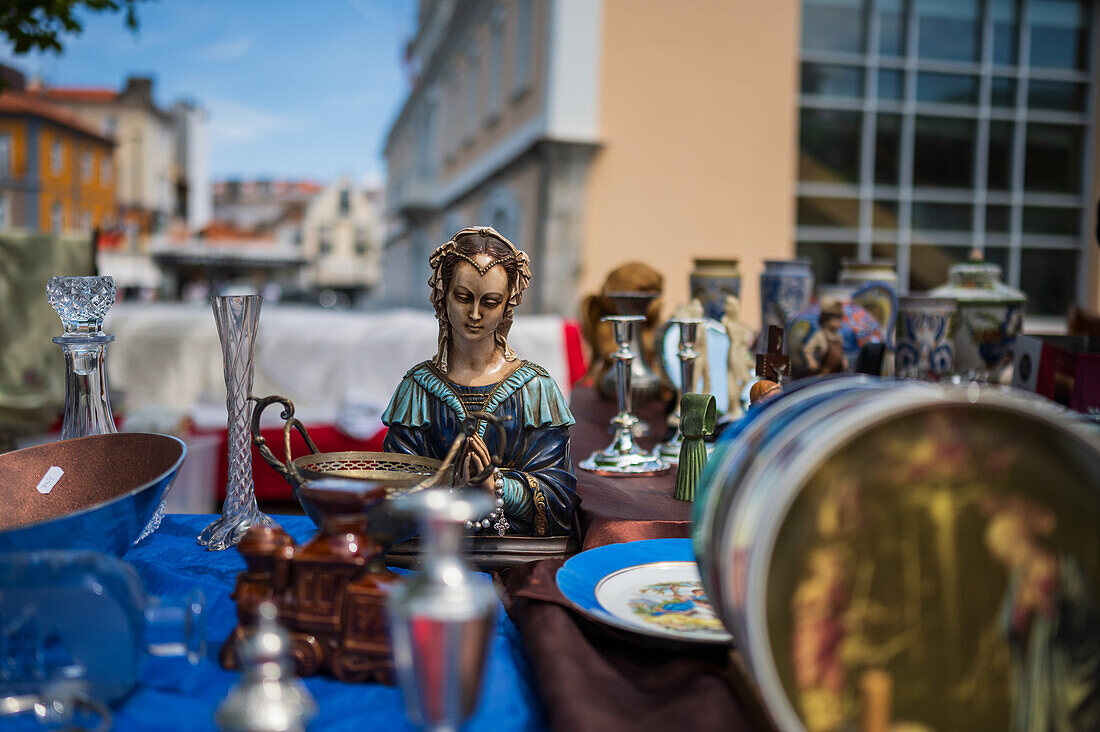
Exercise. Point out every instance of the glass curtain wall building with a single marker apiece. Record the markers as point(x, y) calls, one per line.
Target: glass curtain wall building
point(932, 127)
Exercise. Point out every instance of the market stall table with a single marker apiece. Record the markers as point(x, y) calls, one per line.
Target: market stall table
point(175, 696)
point(593, 677)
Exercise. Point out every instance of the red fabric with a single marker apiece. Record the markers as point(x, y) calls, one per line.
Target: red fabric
point(574, 351)
point(269, 484)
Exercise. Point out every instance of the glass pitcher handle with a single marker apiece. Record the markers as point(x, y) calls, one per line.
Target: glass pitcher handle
point(176, 626)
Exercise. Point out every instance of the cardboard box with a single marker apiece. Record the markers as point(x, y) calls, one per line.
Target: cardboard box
point(1063, 368)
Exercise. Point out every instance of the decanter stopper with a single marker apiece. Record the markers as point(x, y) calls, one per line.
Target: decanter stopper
point(269, 697)
point(441, 620)
point(82, 303)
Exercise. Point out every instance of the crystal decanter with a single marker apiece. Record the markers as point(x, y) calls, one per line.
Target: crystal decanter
point(81, 303)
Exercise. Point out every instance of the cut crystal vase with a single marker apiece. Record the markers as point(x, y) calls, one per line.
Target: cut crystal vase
point(237, 318)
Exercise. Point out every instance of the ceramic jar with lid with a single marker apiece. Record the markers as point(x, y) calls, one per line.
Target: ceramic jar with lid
point(786, 288)
point(855, 273)
point(711, 281)
point(991, 315)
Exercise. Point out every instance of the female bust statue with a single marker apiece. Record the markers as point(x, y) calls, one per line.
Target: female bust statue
point(478, 278)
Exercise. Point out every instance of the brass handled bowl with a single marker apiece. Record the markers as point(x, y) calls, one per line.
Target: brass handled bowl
point(398, 473)
point(94, 492)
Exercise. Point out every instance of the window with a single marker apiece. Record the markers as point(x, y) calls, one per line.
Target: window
point(1059, 33)
point(932, 127)
point(105, 170)
point(361, 242)
point(110, 126)
point(829, 146)
point(57, 157)
point(949, 29)
point(832, 81)
point(57, 217)
point(1006, 14)
point(943, 152)
point(833, 25)
point(5, 211)
point(345, 202)
point(86, 167)
point(525, 42)
point(5, 156)
point(326, 240)
point(496, 61)
point(86, 221)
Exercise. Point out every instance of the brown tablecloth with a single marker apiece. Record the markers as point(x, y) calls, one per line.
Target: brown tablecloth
point(592, 677)
point(614, 510)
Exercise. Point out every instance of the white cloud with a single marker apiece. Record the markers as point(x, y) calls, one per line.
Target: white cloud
point(237, 123)
point(228, 48)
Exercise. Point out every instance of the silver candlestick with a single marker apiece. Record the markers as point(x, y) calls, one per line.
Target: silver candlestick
point(82, 303)
point(689, 329)
point(624, 456)
point(441, 620)
point(237, 318)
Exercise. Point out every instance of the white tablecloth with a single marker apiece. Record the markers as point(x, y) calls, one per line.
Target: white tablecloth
point(338, 367)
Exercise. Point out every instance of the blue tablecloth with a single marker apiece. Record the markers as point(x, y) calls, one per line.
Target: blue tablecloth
point(175, 696)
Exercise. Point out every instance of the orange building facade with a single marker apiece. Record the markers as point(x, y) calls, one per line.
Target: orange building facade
point(56, 173)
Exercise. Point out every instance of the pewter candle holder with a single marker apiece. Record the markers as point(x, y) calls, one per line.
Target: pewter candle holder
point(82, 303)
point(624, 457)
point(237, 318)
point(669, 451)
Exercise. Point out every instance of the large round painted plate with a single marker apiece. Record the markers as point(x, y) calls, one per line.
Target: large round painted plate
point(647, 587)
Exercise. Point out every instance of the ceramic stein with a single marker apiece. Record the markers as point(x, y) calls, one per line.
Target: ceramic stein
point(991, 315)
point(711, 281)
point(786, 287)
point(926, 336)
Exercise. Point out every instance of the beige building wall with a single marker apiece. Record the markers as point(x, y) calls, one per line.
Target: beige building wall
point(698, 118)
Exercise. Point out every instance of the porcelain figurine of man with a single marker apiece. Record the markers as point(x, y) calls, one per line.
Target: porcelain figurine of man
point(824, 351)
point(737, 359)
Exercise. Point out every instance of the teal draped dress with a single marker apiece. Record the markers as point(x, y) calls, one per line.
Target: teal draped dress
point(428, 410)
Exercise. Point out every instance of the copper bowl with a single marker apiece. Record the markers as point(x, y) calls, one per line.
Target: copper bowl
point(94, 492)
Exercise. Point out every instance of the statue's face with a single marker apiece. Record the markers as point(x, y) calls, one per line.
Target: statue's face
point(475, 304)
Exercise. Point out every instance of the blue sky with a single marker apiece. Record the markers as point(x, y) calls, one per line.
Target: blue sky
point(293, 89)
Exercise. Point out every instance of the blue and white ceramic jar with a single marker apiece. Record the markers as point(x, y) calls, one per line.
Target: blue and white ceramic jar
point(991, 315)
point(857, 273)
point(926, 336)
point(786, 288)
point(711, 281)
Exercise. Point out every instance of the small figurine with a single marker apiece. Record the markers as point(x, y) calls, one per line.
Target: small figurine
point(478, 279)
point(737, 359)
point(824, 351)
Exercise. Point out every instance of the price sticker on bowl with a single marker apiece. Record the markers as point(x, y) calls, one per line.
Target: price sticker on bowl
point(49, 480)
